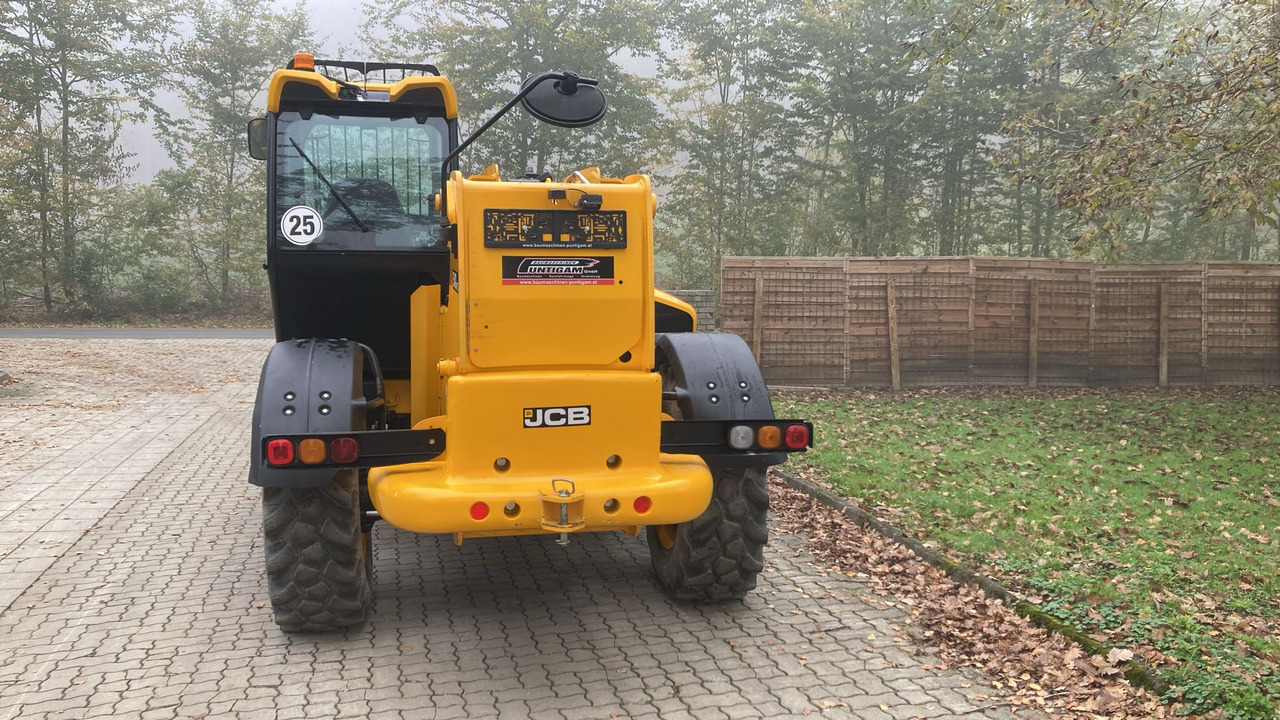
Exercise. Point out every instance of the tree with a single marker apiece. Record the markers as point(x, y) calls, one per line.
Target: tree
point(14, 175)
point(1153, 101)
point(71, 66)
point(861, 98)
point(730, 189)
point(1204, 114)
point(217, 194)
point(488, 48)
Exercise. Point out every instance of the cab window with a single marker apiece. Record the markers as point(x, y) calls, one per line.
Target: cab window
point(357, 183)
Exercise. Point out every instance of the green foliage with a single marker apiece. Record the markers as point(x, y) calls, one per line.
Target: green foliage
point(1145, 115)
point(1114, 128)
point(67, 69)
point(214, 201)
point(733, 139)
point(1148, 519)
point(160, 288)
point(489, 48)
point(1203, 114)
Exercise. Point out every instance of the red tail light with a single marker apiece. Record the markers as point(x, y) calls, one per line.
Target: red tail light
point(642, 504)
point(280, 452)
point(344, 450)
point(479, 511)
point(796, 436)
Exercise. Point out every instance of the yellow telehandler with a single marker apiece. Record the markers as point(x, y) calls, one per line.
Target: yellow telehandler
point(481, 356)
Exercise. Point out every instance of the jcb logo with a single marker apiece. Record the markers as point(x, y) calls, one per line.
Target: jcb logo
point(557, 416)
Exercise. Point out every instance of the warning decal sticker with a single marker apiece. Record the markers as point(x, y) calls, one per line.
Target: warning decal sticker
point(518, 270)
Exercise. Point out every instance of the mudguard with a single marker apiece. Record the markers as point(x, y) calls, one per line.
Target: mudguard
point(311, 386)
point(716, 378)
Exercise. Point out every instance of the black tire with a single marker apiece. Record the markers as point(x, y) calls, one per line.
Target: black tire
point(317, 561)
point(366, 529)
point(716, 556)
point(366, 539)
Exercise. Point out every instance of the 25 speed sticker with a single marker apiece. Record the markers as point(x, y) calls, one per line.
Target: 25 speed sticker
point(301, 225)
point(517, 270)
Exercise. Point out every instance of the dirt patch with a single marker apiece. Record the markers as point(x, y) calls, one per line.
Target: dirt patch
point(106, 373)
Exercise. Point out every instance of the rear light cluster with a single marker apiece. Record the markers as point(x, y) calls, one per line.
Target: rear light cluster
point(792, 436)
point(313, 451)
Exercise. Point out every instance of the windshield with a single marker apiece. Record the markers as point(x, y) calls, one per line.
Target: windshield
point(357, 183)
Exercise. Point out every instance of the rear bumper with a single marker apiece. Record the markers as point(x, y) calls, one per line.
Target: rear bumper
point(424, 498)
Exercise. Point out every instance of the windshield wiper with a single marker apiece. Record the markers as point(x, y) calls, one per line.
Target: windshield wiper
point(332, 189)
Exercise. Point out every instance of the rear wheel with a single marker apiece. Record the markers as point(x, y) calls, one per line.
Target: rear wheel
point(366, 539)
point(716, 556)
point(318, 561)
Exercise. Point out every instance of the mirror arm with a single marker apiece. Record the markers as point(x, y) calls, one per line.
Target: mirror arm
point(529, 85)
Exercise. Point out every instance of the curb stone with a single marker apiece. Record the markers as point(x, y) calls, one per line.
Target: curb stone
point(1135, 671)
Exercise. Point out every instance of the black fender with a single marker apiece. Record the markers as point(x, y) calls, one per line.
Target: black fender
point(312, 386)
point(716, 378)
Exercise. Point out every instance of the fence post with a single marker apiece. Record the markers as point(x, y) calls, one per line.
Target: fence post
point(1093, 317)
point(757, 328)
point(973, 292)
point(848, 322)
point(1164, 334)
point(1204, 323)
point(1033, 361)
point(892, 296)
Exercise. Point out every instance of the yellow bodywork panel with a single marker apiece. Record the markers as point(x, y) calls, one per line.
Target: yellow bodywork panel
point(539, 370)
point(517, 439)
point(549, 286)
point(426, 389)
point(396, 91)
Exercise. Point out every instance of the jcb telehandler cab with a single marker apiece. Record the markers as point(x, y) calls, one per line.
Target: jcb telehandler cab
point(479, 356)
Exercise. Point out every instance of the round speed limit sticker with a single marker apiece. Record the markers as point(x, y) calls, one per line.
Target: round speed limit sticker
point(301, 225)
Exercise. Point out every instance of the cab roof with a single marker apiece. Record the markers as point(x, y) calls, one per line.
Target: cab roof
point(308, 80)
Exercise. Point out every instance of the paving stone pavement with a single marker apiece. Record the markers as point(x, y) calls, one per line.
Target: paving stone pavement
point(146, 596)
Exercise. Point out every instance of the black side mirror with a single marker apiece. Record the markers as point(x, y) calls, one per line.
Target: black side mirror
point(565, 101)
point(559, 98)
point(257, 131)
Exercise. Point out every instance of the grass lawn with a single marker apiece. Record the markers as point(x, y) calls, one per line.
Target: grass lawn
point(1150, 519)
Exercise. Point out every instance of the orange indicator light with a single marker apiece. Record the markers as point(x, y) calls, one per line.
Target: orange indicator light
point(769, 437)
point(311, 451)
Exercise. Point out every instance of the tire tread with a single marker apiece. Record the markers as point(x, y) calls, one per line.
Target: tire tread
point(717, 556)
point(316, 559)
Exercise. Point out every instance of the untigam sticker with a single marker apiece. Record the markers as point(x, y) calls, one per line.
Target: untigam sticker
point(517, 270)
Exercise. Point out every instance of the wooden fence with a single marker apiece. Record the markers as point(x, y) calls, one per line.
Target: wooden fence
point(942, 321)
